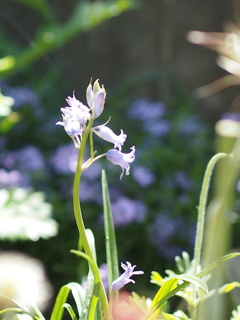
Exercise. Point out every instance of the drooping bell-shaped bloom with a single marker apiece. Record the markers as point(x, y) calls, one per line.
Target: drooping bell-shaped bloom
point(125, 277)
point(96, 98)
point(107, 134)
point(121, 159)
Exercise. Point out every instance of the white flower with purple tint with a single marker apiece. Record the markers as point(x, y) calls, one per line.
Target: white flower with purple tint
point(76, 110)
point(121, 159)
point(75, 118)
point(96, 98)
point(125, 277)
point(107, 134)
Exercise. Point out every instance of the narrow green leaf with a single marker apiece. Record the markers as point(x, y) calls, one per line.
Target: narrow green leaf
point(229, 287)
point(217, 263)
point(78, 294)
point(192, 279)
point(168, 286)
point(111, 247)
point(69, 308)
point(168, 290)
point(156, 278)
point(30, 309)
point(95, 292)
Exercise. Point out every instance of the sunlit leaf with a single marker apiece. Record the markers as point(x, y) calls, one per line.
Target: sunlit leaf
point(229, 287)
point(156, 278)
point(215, 264)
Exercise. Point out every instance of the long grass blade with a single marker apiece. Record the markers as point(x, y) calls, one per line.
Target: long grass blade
point(110, 238)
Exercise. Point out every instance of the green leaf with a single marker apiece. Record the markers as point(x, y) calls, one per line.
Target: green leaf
point(85, 16)
point(110, 239)
point(229, 287)
point(69, 308)
point(200, 284)
point(183, 263)
point(168, 289)
point(156, 278)
point(95, 292)
point(27, 309)
point(217, 263)
point(78, 293)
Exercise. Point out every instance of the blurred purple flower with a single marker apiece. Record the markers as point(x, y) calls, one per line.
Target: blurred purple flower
point(182, 180)
point(26, 159)
point(142, 109)
point(64, 159)
point(103, 269)
point(164, 233)
point(158, 128)
point(14, 179)
point(235, 116)
point(21, 95)
point(90, 191)
point(125, 211)
point(190, 125)
point(30, 159)
point(94, 172)
point(143, 176)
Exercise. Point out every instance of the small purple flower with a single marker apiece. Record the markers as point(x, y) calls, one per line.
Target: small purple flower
point(121, 159)
point(189, 126)
point(182, 180)
point(143, 176)
point(157, 128)
point(168, 235)
point(142, 109)
point(30, 159)
point(125, 211)
point(125, 277)
point(26, 159)
point(13, 179)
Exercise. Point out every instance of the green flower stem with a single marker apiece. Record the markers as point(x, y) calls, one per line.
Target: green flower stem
point(201, 220)
point(202, 208)
point(78, 213)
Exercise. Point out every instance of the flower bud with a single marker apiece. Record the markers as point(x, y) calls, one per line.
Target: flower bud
point(96, 98)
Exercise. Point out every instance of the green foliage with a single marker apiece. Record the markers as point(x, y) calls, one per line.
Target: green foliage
point(111, 247)
point(51, 35)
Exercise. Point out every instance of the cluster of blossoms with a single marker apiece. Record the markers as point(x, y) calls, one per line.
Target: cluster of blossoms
point(78, 119)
